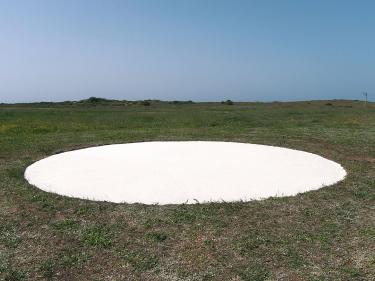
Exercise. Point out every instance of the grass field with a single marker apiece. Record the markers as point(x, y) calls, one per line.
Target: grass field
point(327, 234)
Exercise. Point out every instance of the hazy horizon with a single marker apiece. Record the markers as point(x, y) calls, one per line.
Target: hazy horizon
point(210, 50)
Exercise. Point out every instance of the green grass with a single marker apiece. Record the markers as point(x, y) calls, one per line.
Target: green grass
point(326, 234)
point(97, 236)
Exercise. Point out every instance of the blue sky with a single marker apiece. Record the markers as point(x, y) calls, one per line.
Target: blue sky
point(202, 50)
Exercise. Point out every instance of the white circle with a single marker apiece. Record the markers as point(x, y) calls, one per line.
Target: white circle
point(182, 172)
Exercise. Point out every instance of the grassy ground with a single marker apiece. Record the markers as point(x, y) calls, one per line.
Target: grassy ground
point(327, 234)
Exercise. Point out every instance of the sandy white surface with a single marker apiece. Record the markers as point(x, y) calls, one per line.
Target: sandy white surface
point(182, 172)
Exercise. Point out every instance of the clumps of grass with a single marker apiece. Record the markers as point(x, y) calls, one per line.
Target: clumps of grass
point(156, 236)
point(255, 272)
point(251, 242)
point(293, 257)
point(189, 214)
point(16, 171)
point(47, 268)
point(43, 129)
point(203, 213)
point(327, 234)
point(97, 236)
point(183, 215)
point(364, 191)
point(85, 210)
point(308, 212)
point(152, 222)
point(139, 261)
point(15, 275)
point(228, 208)
point(44, 200)
point(346, 210)
point(354, 273)
point(368, 232)
point(9, 236)
point(65, 225)
point(72, 257)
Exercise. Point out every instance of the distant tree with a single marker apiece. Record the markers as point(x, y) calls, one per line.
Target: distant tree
point(93, 99)
point(228, 102)
point(97, 100)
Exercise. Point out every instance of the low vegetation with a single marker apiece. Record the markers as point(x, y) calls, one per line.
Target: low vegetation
point(328, 234)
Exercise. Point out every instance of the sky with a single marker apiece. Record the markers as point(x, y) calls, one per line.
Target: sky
point(201, 50)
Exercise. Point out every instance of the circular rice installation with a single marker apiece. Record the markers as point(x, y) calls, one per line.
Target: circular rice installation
point(182, 172)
